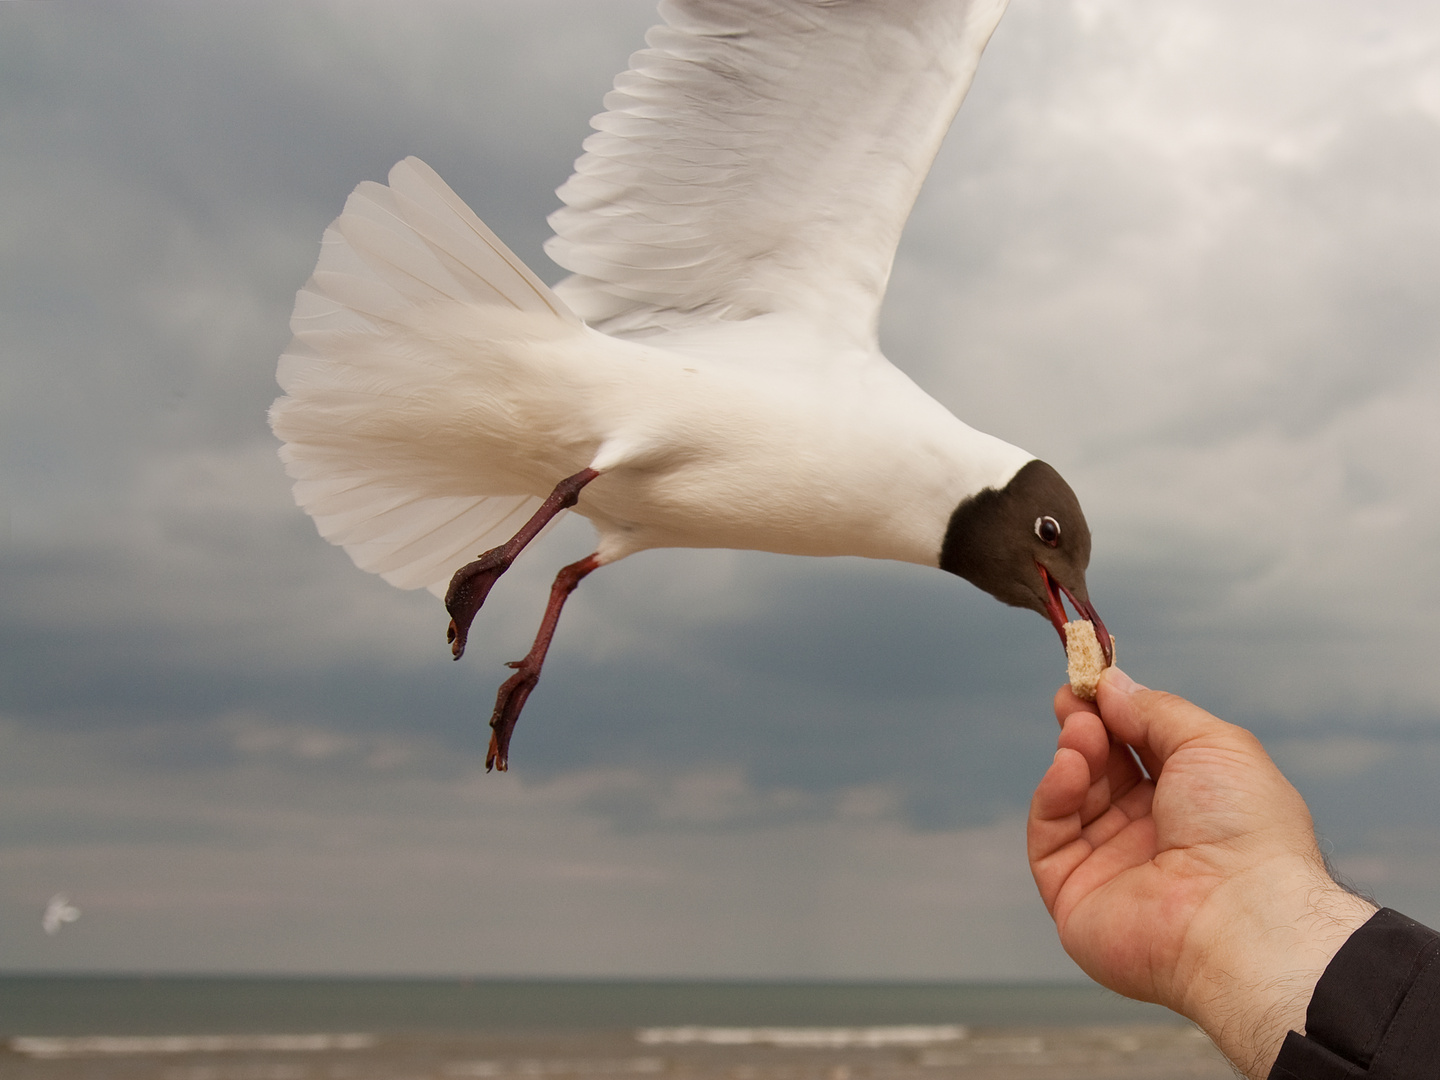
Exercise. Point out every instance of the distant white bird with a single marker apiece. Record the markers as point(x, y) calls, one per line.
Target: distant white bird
point(711, 374)
point(57, 913)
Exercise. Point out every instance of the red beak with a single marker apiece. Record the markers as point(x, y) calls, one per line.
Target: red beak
point(1055, 608)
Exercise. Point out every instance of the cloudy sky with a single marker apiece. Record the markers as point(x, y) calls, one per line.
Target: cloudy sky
point(1189, 253)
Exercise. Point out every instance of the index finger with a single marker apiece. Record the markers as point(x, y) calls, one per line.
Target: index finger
point(1122, 770)
point(1067, 703)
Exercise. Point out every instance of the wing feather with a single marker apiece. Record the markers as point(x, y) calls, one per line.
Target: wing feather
point(763, 157)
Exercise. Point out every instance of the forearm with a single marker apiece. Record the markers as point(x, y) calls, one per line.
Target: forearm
point(1375, 1011)
point(1253, 987)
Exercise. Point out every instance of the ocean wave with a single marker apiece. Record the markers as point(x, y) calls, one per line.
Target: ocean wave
point(806, 1037)
point(559, 1067)
point(45, 1046)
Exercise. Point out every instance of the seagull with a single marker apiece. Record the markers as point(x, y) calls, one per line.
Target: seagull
point(57, 913)
point(709, 376)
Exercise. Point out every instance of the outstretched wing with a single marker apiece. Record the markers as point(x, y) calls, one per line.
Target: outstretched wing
point(763, 157)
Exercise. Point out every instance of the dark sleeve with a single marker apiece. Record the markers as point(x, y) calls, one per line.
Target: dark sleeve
point(1375, 1012)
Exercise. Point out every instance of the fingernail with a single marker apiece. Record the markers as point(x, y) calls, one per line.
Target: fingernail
point(1122, 682)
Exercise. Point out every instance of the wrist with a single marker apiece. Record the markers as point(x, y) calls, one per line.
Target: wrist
point(1255, 985)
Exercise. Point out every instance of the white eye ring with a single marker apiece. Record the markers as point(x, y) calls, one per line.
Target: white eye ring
point(1048, 530)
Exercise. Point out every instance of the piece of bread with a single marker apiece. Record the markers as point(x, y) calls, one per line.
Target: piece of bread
point(1084, 657)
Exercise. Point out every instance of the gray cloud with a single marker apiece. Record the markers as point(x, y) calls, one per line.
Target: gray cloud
point(305, 866)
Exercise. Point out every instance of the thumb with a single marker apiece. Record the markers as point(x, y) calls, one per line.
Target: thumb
point(1153, 721)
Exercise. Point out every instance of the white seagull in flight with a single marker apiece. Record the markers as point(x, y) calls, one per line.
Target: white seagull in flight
point(710, 375)
point(57, 913)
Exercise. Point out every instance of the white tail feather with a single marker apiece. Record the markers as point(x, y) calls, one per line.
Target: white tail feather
point(394, 253)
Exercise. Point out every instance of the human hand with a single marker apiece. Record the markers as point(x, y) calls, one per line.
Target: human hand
point(1202, 889)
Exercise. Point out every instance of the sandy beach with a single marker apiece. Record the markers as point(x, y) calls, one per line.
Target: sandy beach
point(1096, 1052)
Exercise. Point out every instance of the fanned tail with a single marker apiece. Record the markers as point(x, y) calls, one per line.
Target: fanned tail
point(390, 261)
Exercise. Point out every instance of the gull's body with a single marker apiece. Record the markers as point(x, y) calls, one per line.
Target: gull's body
point(710, 376)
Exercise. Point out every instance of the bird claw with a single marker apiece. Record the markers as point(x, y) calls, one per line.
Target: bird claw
point(467, 592)
point(508, 703)
point(473, 581)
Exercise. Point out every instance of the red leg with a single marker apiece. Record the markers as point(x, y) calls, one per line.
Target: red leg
point(511, 698)
point(472, 582)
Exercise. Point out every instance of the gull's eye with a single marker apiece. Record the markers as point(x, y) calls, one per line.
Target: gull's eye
point(1048, 530)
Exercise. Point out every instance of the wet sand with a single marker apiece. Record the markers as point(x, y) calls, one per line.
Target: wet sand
point(1109, 1052)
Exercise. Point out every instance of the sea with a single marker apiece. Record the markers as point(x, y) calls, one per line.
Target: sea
point(247, 1028)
